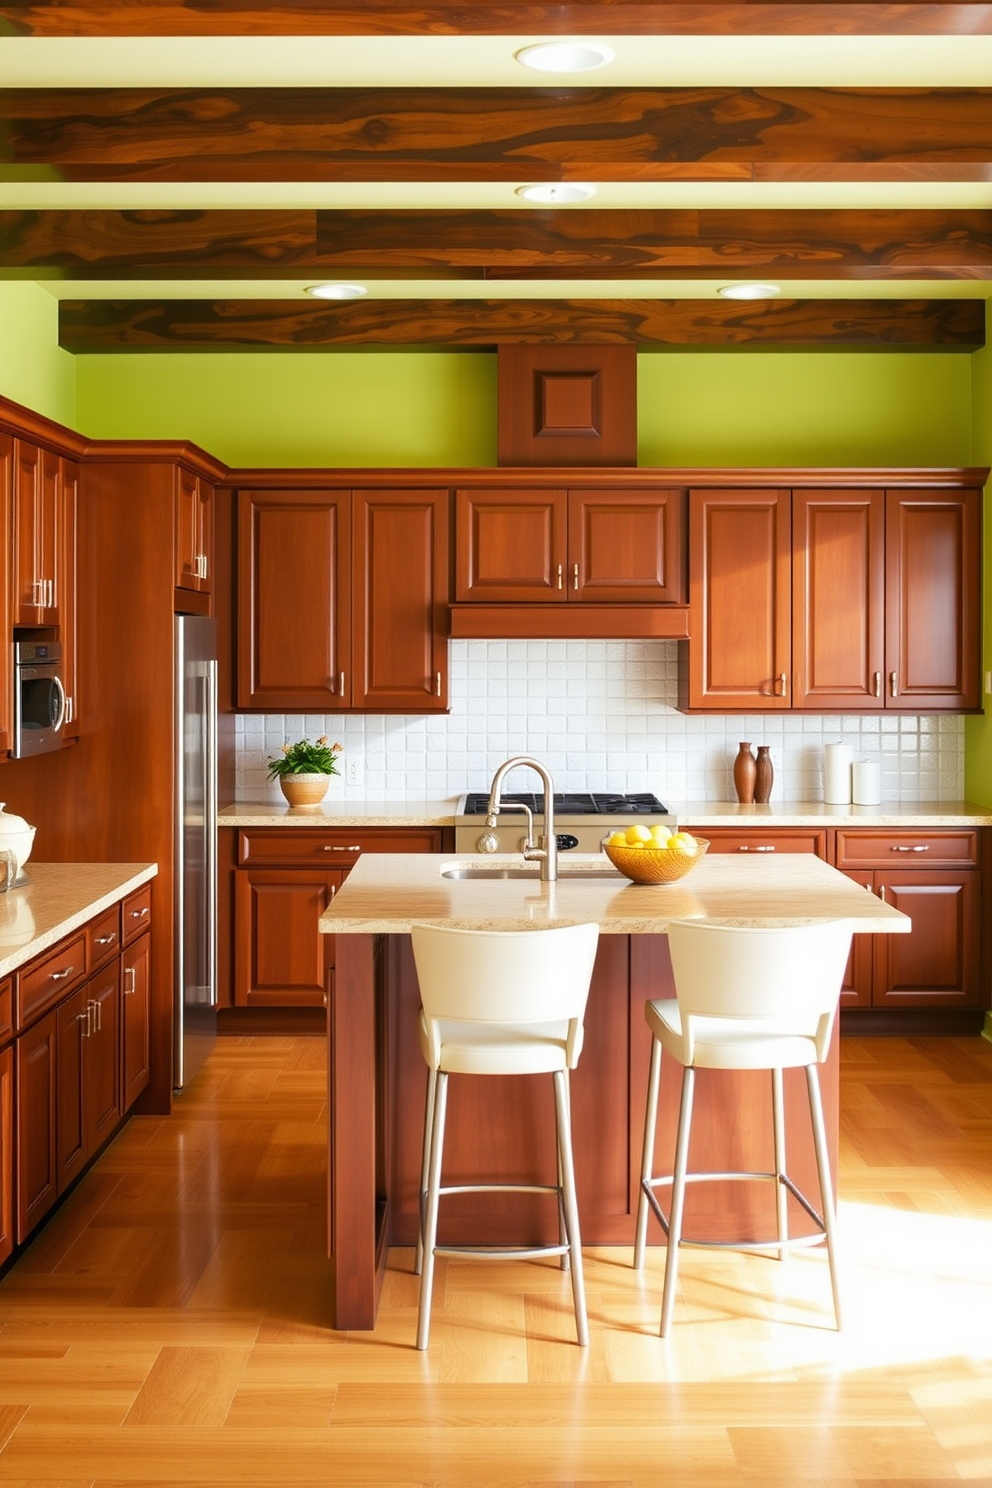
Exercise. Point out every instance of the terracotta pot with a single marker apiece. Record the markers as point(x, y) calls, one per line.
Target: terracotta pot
point(304, 790)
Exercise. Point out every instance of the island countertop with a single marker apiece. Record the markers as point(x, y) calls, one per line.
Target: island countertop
point(386, 894)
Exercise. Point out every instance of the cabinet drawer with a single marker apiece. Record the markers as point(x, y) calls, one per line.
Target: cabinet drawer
point(104, 936)
point(43, 982)
point(136, 913)
point(302, 847)
point(889, 849)
point(754, 840)
point(6, 1008)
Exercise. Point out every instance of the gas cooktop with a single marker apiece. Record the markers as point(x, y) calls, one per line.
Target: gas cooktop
point(580, 803)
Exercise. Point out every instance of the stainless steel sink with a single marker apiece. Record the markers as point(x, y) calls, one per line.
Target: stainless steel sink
point(575, 875)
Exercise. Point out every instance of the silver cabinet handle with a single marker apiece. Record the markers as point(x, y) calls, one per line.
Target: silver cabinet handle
point(85, 1018)
point(892, 685)
point(200, 566)
point(575, 576)
point(341, 684)
point(60, 976)
point(765, 847)
point(878, 684)
point(38, 593)
point(97, 1014)
point(353, 848)
point(129, 987)
point(106, 939)
point(784, 681)
point(919, 847)
point(437, 683)
point(138, 914)
point(559, 577)
point(881, 894)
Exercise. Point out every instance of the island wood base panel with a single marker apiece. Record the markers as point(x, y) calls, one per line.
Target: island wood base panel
point(503, 1129)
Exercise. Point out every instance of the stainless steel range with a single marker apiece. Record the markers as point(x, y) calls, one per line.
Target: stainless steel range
point(582, 819)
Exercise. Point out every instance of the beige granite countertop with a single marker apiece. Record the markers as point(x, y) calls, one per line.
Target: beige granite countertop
point(57, 899)
point(374, 813)
point(388, 893)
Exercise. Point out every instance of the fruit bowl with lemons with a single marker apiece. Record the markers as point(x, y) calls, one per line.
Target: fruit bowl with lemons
point(654, 855)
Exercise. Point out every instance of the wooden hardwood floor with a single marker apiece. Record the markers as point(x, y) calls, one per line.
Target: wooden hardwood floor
point(170, 1325)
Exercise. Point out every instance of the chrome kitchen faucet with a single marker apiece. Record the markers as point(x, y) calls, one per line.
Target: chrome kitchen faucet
point(547, 852)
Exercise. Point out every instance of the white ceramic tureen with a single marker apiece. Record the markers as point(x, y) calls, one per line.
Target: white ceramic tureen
point(16, 835)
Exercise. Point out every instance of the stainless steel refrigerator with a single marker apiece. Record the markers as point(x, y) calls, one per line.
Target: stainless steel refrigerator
point(196, 845)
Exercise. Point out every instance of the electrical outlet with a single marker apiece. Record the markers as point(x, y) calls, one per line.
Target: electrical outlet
point(354, 770)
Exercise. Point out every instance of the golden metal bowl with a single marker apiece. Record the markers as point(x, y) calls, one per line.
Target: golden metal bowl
point(654, 865)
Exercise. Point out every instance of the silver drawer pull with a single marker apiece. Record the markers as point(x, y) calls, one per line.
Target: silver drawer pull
point(129, 984)
point(137, 914)
point(106, 939)
point(767, 847)
point(920, 847)
point(353, 848)
point(60, 976)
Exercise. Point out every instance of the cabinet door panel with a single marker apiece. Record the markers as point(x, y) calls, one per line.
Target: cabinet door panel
point(68, 499)
point(856, 987)
point(400, 600)
point(510, 545)
point(626, 546)
point(37, 1180)
point(75, 1029)
point(280, 957)
point(103, 1059)
point(838, 609)
point(28, 591)
point(294, 629)
point(135, 1011)
point(936, 965)
point(740, 596)
point(933, 600)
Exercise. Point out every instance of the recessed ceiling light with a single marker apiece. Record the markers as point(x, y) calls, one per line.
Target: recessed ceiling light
point(750, 291)
point(556, 193)
point(565, 56)
point(337, 291)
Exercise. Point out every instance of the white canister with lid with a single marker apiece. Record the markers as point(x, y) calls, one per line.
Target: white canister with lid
point(16, 836)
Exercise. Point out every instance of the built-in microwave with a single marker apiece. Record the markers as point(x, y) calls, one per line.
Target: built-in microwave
point(39, 697)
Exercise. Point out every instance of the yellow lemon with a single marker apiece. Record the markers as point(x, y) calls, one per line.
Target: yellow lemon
point(681, 842)
point(661, 834)
point(618, 839)
point(638, 834)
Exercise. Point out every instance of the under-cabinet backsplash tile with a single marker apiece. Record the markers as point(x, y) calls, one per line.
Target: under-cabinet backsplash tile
point(601, 715)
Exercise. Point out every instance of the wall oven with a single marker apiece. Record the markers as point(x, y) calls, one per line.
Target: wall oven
point(39, 697)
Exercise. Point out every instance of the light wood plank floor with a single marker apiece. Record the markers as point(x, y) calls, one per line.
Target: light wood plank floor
point(170, 1325)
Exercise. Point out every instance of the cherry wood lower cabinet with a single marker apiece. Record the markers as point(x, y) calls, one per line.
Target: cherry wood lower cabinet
point(80, 1057)
point(7, 1203)
point(761, 840)
point(285, 879)
point(938, 964)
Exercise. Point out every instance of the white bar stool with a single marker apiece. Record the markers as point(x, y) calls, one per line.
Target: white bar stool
point(746, 999)
point(501, 1003)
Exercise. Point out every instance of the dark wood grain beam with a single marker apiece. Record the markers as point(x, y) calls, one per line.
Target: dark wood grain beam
point(953, 244)
point(451, 18)
point(290, 325)
point(424, 134)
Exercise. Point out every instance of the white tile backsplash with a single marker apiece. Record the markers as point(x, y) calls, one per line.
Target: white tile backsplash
point(601, 715)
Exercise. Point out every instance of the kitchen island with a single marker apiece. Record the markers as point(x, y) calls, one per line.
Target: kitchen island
point(377, 1077)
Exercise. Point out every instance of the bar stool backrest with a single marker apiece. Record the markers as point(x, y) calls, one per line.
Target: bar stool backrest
point(782, 980)
point(510, 978)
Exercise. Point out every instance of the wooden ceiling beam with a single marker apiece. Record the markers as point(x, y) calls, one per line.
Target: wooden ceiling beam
point(425, 134)
point(798, 244)
point(282, 325)
point(452, 18)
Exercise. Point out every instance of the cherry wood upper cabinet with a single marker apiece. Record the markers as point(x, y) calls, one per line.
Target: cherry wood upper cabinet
point(552, 546)
point(194, 531)
point(6, 660)
point(400, 601)
point(68, 630)
point(838, 599)
point(37, 520)
point(342, 600)
point(294, 599)
point(933, 577)
point(511, 545)
point(740, 598)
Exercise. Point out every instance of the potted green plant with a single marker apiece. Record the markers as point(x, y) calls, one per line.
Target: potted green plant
point(304, 770)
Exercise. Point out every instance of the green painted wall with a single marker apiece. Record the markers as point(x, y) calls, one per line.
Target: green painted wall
point(313, 409)
point(34, 370)
point(709, 408)
point(978, 730)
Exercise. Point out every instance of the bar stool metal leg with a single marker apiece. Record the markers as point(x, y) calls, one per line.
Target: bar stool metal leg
point(562, 1114)
point(678, 1197)
point(647, 1152)
point(433, 1201)
point(823, 1173)
point(425, 1162)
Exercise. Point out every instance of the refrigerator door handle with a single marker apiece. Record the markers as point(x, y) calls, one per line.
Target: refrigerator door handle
point(210, 823)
